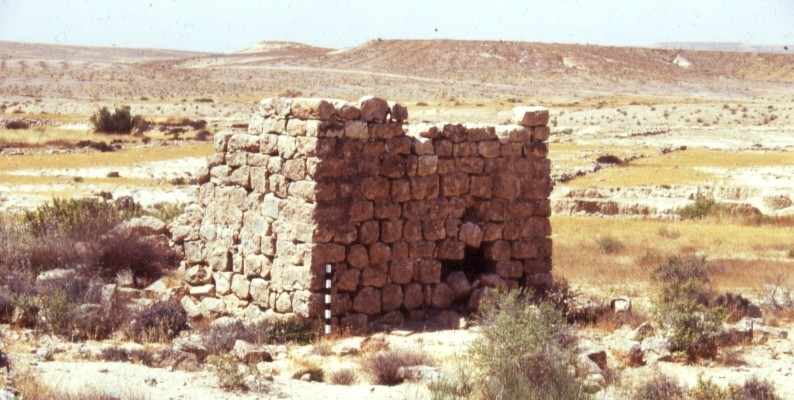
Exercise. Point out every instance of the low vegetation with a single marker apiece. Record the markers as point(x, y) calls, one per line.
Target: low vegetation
point(662, 387)
point(120, 121)
point(383, 366)
point(685, 305)
point(524, 349)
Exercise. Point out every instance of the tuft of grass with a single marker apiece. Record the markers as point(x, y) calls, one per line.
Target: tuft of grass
point(383, 365)
point(343, 376)
point(315, 374)
point(219, 339)
point(120, 354)
point(31, 387)
point(660, 387)
point(610, 244)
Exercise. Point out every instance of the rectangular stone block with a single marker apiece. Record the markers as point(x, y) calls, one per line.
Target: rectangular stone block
point(530, 116)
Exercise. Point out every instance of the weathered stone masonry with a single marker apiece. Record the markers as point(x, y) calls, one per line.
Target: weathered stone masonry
point(413, 217)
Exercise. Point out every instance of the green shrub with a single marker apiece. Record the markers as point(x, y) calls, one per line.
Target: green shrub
point(706, 389)
point(701, 208)
point(523, 349)
point(660, 387)
point(159, 322)
point(682, 305)
point(119, 121)
point(230, 376)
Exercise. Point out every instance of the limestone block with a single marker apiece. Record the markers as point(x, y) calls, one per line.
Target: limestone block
point(412, 230)
point(268, 144)
point(427, 165)
point(412, 296)
point(391, 297)
point(459, 284)
point(386, 131)
point(346, 110)
point(324, 253)
point(400, 145)
point(375, 188)
point(260, 290)
point(530, 116)
point(379, 253)
point(358, 257)
point(223, 282)
point(287, 147)
point(433, 230)
point(480, 132)
point(455, 184)
point(267, 107)
point(348, 280)
point(429, 271)
point(374, 109)
point(541, 133)
point(471, 234)
point(393, 166)
point(345, 234)
point(375, 276)
point(367, 301)
point(443, 296)
point(243, 142)
point(241, 286)
point(391, 230)
point(451, 249)
point(454, 132)
point(506, 186)
point(283, 303)
point(498, 250)
point(401, 270)
point(509, 269)
point(369, 232)
point(319, 109)
point(524, 250)
point(220, 140)
point(387, 210)
point(399, 112)
point(422, 249)
point(356, 130)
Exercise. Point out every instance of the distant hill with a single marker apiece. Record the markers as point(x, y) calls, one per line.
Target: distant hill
point(736, 47)
point(513, 62)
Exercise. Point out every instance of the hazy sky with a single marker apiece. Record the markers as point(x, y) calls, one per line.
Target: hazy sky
point(230, 25)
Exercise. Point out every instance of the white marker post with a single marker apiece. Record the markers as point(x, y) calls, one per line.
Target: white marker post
point(328, 299)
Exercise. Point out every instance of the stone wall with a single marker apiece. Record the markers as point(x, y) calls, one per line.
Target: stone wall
point(413, 217)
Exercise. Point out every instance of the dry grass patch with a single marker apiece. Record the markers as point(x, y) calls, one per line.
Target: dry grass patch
point(118, 158)
point(580, 259)
point(680, 168)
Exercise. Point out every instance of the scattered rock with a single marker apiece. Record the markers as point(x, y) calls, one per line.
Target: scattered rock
point(644, 330)
point(151, 381)
point(188, 346)
point(620, 304)
point(251, 353)
point(125, 278)
point(629, 351)
point(143, 226)
point(418, 373)
point(597, 354)
point(57, 274)
point(656, 349)
point(594, 383)
point(43, 354)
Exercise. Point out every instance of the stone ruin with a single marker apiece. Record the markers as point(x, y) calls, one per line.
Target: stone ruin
point(414, 218)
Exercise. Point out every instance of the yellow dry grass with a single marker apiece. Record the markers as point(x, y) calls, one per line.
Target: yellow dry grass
point(753, 253)
point(679, 168)
point(59, 137)
point(118, 158)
